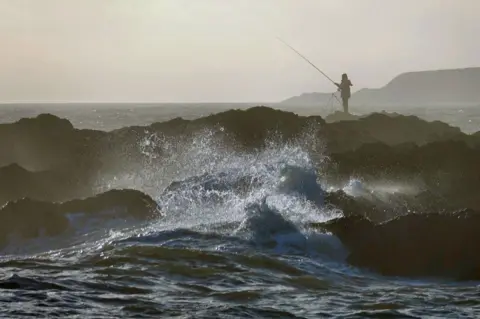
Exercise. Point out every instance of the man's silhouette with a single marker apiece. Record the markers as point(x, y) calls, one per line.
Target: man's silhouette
point(344, 88)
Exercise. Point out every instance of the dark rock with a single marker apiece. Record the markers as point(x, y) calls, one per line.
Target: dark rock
point(29, 218)
point(436, 244)
point(378, 128)
point(341, 116)
point(448, 169)
point(17, 182)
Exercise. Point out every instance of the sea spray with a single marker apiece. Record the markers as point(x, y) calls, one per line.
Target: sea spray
point(201, 179)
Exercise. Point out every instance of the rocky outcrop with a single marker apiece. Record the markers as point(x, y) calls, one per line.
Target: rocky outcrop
point(379, 207)
point(379, 128)
point(449, 169)
point(46, 142)
point(339, 116)
point(27, 218)
point(53, 185)
point(414, 245)
point(252, 127)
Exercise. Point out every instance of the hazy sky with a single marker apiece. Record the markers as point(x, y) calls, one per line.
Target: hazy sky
point(222, 50)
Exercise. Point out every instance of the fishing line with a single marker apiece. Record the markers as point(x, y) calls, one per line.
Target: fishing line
point(308, 61)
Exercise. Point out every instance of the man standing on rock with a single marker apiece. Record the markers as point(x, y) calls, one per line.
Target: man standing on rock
point(344, 88)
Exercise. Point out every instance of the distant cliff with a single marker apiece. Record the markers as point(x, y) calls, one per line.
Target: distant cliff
point(424, 88)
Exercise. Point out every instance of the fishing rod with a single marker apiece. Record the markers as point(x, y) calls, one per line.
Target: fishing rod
point(293, 49)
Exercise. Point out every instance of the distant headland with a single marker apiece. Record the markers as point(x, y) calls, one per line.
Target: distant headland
point(424, 88)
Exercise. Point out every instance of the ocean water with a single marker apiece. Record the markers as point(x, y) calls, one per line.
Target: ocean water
point(231, 242)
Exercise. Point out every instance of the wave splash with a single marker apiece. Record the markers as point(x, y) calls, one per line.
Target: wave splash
point(202, 185)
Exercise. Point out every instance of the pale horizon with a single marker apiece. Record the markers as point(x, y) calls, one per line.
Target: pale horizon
point(215, 51)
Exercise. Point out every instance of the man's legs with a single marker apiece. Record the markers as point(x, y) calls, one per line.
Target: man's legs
point(345, 104)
